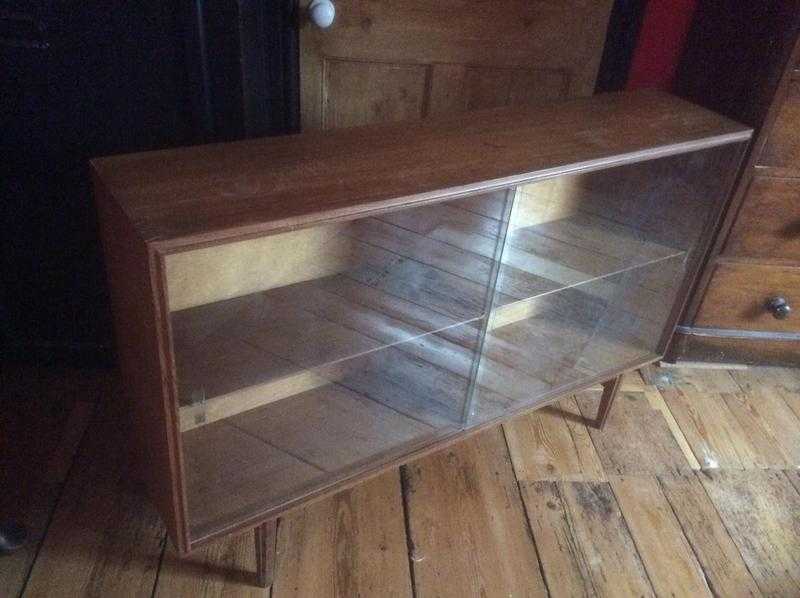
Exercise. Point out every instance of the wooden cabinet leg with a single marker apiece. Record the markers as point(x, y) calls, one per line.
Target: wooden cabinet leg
point(265, 553)
point(610, 390)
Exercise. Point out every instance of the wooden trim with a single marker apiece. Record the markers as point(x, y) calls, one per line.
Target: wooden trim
point(170, 393)
point(733, 333)
point(143, 355)
point(178, 205)
point(189, 243)
point(700, 259)
point(734, 351)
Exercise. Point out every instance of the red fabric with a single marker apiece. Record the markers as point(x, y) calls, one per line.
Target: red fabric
point(660, 46)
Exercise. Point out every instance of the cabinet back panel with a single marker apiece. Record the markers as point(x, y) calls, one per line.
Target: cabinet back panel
point(211, 274)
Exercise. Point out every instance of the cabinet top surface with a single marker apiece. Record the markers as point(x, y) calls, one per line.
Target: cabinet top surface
point(206, 193)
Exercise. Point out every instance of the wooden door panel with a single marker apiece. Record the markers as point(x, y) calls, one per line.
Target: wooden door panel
point(396, 60)
point(457, 87)
point(362, 93)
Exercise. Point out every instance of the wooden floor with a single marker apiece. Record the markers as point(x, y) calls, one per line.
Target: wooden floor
point(692, 489)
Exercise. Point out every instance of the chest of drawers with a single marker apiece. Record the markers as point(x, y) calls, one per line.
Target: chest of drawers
point(742, 311)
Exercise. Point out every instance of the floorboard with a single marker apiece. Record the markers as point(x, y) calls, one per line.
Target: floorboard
point(615, 566)
point(668, 558)
point(38, 446)
point(636, 439)
point(760, 510)
point(725, 570)
point(104, 539)
point(467, 525)
point(553, 444)
point(353, 544)
point(563, 561)
point(225, 568)
point(692, 488)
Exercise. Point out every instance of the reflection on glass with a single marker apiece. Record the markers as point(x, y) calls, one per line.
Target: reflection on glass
point(589, 273)
point(367, 348)
point(313, 354)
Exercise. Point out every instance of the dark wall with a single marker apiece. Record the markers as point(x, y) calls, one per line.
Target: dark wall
point(84, 79)
point(624, 25)
point(90, 78)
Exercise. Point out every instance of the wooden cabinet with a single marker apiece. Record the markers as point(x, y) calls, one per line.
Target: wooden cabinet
point(296, 313)
point(742, 61)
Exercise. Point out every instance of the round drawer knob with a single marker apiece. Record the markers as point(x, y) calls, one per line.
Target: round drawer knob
point(779, 307)
point(322, 13)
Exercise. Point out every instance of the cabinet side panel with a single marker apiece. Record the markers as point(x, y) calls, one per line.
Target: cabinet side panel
point(151, 433)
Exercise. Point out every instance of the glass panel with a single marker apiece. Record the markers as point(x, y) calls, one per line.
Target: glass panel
point(309, 356)
point(607, 251)
point(362, 350)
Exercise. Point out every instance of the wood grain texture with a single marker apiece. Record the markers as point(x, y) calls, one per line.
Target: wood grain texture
point(563, 561)
point(213, 274)
point(768, 225)
point(738, 293)
point(299, 180)
point(610, 391)
point(782, 147)
point(746, 73)
point(715, 434)
point(760, 512)
point(553, 443)
point(636, 440)
point(219, 491)
point(104, 539)
point(753, 379)
point(139, 329)
point(735, 351)
point(723, 566)
point(776, 420)
point(615, 567)
point(705, 380)
point(226, 568)
point(467, 496)
point(352, 544)
point(668, 558)
point(265, 537)
point(792, 399)
point(318, 427)
point(656, 400)
point(794, 479)
point(415, 59)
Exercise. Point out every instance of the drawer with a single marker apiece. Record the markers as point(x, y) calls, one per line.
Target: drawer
point(768, 225)
point(782, 148)
point(693, 347)
point(738, 295)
